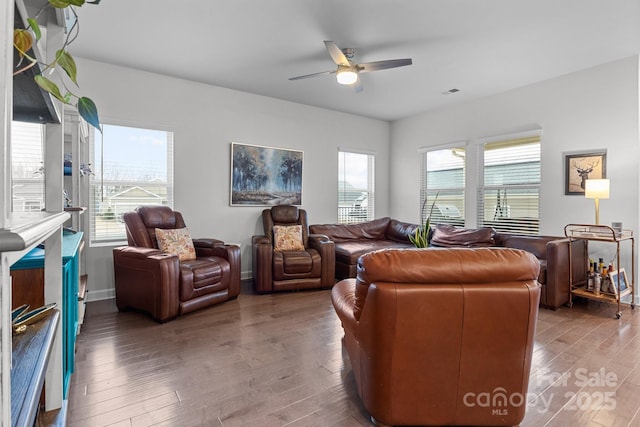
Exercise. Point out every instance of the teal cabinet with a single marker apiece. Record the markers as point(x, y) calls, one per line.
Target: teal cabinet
point(71, 247)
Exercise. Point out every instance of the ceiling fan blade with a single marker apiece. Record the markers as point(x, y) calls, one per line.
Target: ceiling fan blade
point(306, 76)
point(336, 54)
point(383, 65)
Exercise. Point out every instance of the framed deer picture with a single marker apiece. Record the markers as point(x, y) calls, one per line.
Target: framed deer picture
point(582, 166)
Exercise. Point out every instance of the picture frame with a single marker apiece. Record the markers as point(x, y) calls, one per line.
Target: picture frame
point(619, 281)
point(265, 176)
point(582, 166)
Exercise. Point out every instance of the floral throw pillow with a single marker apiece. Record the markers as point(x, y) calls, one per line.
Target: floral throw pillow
point(288, 238)
point(177, 242)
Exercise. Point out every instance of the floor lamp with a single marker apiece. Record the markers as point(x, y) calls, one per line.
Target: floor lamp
point(596, 189)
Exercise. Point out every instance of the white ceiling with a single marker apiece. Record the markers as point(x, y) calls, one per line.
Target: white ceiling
point(480, 47)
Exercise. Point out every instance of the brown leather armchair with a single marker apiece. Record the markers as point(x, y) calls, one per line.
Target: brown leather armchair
point(158, 283)
point(441, 336)
point(310, 267)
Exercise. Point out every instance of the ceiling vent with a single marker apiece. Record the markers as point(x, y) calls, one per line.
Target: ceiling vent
point(450, 91)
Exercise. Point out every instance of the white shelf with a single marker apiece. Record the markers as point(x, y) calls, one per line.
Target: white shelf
point(24, 230)
point(20, 232)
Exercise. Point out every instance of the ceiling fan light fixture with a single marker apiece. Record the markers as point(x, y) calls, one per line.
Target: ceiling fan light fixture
point(346, 76)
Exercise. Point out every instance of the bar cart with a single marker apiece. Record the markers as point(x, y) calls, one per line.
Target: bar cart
point(602, 233)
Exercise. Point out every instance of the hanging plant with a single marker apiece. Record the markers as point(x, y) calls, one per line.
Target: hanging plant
point(23, 40)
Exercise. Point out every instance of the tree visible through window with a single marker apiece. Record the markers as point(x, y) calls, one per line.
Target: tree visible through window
point(356, 193)
point(132, 167)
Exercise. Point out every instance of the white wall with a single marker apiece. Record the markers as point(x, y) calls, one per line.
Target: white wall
point(205, 120)
point(588, 110)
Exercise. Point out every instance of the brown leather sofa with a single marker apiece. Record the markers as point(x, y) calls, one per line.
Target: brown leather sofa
point(311, 266)
point(441, 337)
point(353, 240)
point(155, 282)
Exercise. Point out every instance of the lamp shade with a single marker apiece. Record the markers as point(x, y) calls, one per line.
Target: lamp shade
point(346, 76)
point(596, 189)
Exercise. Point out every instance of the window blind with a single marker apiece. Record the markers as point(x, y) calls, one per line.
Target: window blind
point(509, 200)
point(443, 182)
point(27, 173)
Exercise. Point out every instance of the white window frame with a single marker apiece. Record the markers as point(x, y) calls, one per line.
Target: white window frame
point(96, 181)
point(532, 229)
point(441, 192)
point(351, 213)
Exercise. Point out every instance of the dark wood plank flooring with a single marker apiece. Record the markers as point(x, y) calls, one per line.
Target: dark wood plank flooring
point(277, 360)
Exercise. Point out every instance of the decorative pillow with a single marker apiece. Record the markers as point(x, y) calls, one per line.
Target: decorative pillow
point(287, 238)
point(177, 242)
point(449, 236)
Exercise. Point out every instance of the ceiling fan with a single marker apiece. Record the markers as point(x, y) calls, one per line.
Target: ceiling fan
point(347, 71)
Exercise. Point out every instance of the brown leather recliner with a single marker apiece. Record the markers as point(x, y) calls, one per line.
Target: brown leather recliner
point(441, 336)
point(310, 267)
point(158, 283)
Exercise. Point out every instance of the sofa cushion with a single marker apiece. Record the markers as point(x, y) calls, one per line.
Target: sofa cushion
point(287, 238)
point(374, 229)
point(349, 252)
point(176, 241)
point(445, 235)
point(399, 231)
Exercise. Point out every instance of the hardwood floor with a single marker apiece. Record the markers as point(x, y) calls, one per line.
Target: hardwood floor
point(276, 360)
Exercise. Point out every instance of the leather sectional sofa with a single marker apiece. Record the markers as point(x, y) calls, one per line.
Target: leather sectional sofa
point(354, 240)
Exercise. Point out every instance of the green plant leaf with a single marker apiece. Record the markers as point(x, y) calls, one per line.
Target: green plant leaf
point(60, 4)
point(68, 64)
point(94, 2)
point(33, 24)
point(50, 87)
point(22, 40)
point(89, 112)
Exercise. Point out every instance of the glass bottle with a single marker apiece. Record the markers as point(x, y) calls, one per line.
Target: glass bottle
point(596, 283)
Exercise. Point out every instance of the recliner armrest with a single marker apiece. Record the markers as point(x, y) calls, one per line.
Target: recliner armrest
point(327, 250)
point(139, 252)
point(262, 251)
point(147, 279)
point(207, 243)
point(212, 247)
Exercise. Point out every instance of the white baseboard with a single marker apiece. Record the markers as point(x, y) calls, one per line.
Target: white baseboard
point(100, 295)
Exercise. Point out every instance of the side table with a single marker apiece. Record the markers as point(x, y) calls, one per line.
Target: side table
point(602, 233)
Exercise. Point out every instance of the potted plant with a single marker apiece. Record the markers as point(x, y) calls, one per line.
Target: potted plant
point(23, 40)
point(422, 235)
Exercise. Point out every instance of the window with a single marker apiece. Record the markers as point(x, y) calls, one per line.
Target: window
point(443, 172)
point(133, 167)
point(27, 163)
point(509, 201)
point(356, 194)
